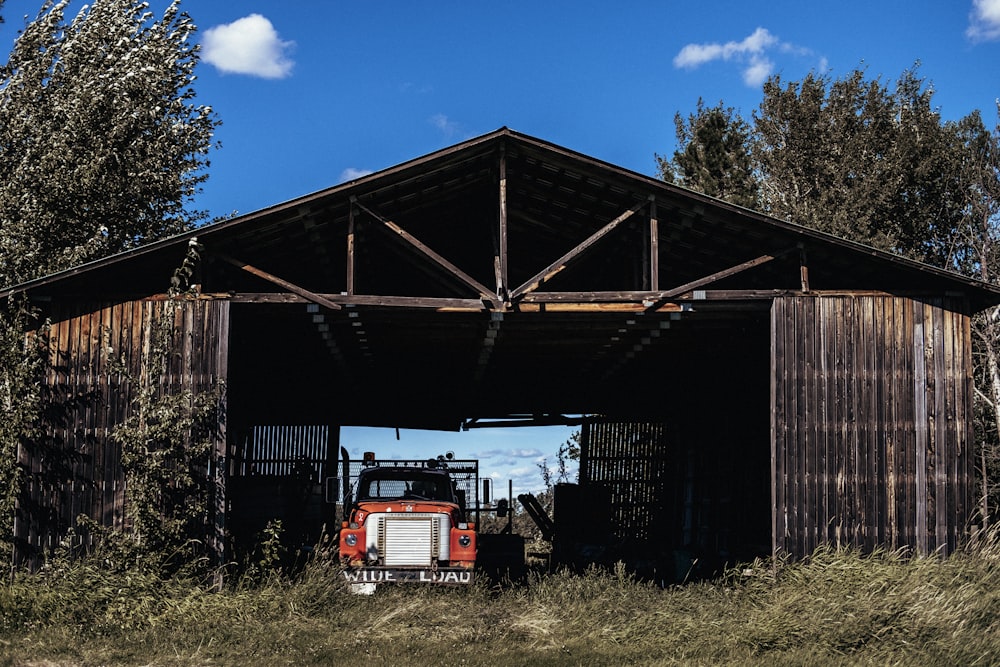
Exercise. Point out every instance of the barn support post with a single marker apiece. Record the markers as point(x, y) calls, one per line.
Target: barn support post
point(330, 516)
point(500, 260)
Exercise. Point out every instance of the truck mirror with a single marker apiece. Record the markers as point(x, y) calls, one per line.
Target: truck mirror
point(487, 488)
point(502, 508)
point(331, 491)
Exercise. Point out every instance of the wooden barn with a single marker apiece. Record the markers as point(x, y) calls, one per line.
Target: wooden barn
point(750, 386)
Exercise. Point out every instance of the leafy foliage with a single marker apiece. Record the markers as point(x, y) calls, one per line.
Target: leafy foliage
point(165, 450)
point(101, 142)
point(856, 159)
point(22, 364)
point(714, 157)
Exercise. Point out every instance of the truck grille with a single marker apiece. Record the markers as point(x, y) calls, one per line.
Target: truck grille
point(410, 539)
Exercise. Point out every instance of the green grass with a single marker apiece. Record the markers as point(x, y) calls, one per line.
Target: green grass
point(839, 608)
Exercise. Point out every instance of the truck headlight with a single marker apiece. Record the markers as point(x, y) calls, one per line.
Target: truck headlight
point(351, 540)
point(464, 541)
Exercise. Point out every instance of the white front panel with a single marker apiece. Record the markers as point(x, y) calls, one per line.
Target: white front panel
point(408, 538)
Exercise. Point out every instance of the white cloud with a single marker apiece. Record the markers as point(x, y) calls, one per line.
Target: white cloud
point(750, 53)
point(693, 55)
point(512, 453)
point(352, 173)
point(249, 45)
point(984, 21)
point(758, 71)
point(447, 126)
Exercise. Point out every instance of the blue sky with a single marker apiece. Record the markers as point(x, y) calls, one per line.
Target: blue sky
point(313, 92)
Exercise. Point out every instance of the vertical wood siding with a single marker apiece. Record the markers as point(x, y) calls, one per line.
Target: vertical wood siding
point(77, 469)
point(871, 423)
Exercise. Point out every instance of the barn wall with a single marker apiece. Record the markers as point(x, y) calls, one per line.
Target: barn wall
point(76, 468)
point(871, 423)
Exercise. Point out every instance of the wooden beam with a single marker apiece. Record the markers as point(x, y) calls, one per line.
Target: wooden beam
point(427, 252)
point(654, 248)
point(350, 251)
point(639, 297)
point(590, 307)
point(415, 302)
point(803, 268)
point(555, 267)
point(500, 266)
point(714, 277)
point(291, 287)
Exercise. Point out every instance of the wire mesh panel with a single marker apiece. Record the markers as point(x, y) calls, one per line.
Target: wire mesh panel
point(631, 461)
point(284, 450)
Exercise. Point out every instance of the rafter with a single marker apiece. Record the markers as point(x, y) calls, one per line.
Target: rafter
point(555, 267)
point(291, 287)
point(485, 292)
point(713, 277)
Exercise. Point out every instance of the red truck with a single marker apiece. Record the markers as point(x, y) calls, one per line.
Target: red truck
point(405, 521)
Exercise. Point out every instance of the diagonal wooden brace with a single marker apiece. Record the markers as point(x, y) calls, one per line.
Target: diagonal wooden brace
point(486, 293)
point(555, 267)
point(291, 287)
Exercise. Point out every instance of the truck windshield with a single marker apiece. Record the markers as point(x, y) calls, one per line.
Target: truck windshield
point(404, 485)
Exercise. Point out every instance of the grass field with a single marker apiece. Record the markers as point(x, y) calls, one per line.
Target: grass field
point(839, 608)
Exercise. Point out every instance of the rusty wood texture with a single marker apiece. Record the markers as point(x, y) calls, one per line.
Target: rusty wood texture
point(871, 423)
point(95, 351)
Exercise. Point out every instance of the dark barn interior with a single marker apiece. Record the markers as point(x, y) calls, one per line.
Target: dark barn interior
point(734, 369)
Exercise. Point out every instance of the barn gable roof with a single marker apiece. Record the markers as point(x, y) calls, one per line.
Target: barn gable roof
point(554, 269)
point(554, 199)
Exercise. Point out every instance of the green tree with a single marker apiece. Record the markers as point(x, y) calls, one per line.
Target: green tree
point(102, 144)
point(857, 159)
point(974, 249)
point(876, 164)
point(714, 155)
point(820, 147)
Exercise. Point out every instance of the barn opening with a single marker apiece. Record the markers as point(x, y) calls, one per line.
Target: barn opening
point(675, 456)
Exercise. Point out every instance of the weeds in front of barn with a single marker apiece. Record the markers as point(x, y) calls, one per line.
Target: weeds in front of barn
point(838, 608)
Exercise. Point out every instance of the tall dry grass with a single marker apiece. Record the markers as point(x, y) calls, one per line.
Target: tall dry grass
point(838, 608)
